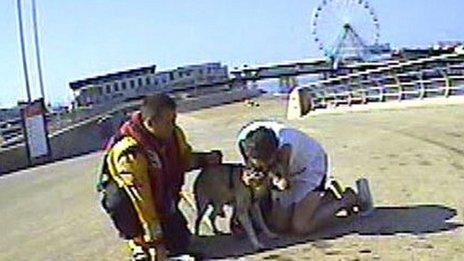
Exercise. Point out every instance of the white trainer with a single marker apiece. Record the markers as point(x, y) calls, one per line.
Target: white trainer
point(365, 197)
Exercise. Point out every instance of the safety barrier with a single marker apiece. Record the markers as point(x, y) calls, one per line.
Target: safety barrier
point(316, 97)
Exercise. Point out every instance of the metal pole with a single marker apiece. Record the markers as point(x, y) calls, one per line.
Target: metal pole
point(23, 51)
point(37, 49)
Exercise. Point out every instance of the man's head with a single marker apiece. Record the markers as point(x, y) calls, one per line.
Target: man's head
point(261, 146)
point(159, 115)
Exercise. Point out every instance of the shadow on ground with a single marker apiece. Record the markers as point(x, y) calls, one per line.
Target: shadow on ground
point(415, 220)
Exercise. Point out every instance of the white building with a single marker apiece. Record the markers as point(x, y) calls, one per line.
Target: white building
point(112, 87)
point(138, 82)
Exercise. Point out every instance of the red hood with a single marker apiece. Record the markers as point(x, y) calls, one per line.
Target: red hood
point(167, 180)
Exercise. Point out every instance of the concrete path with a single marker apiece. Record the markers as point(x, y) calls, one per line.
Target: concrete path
point(413, 158)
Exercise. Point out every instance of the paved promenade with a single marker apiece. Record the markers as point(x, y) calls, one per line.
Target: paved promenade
point(413, 158)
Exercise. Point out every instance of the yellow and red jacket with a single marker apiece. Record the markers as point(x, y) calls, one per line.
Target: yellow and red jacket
point(140, 174)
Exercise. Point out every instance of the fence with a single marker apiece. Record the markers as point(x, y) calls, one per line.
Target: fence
point(393, 87)
point(11, 131)
point(90, 134)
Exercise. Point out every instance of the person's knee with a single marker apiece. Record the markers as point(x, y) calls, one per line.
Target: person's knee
point(303, 221)
point(279, 225)
point(121, 211)
point(302, 227)
point(278, 219)
point(306, 208)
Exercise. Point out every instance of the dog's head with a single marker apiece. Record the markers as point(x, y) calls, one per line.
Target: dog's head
point(253, 177)
point(257, 179)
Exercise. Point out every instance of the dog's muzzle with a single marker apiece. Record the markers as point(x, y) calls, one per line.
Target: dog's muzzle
point(253, 178)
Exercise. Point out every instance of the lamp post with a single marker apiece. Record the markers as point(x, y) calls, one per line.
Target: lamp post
point(33, 115)
point(37, 49)
point(23, 51)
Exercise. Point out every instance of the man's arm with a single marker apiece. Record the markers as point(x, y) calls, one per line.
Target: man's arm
point(280, 172)
point(194, 160)
point(241, 147)
point(131, 173)
point(283, 163)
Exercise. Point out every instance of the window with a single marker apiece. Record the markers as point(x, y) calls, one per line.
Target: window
point(171, 76)
point(132, 84)
point(123, 85)
point(156, 81)
point(140, 81)
point(148, 81)
point(200, 71)
point(116, 87)
point(187, 74)
point(108, 88)
point(180, 74)
point(100, 90)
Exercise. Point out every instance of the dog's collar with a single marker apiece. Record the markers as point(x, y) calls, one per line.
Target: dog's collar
point(254, 191)
point(253, 194)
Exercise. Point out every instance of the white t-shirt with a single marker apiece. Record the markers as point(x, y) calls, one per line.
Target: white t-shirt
point(308, 160)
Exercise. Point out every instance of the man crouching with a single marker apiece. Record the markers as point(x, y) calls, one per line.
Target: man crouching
point(145, 165)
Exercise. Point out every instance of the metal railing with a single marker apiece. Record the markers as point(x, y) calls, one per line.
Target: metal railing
point(11, 131)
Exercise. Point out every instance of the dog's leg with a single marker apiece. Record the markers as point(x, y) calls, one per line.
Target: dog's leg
point(256, 212)
point(202, 206)
point(244, 218)
point(212, 218)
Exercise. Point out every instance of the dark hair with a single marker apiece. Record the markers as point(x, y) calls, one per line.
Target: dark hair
point(154, 105)
point(260, 143)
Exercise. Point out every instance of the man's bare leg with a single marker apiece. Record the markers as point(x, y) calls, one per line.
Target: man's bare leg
point(313, 212)
point(279, 218)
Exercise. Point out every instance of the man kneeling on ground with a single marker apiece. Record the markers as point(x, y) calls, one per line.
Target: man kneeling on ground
point(301, 162)
point(146, 163)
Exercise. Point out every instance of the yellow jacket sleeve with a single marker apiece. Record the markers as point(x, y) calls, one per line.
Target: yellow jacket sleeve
point(129, 168)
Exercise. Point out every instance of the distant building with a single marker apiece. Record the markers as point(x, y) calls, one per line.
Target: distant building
point(7, 114)
point(191, 76)
point(113, 86)
point(138, 82)
point(447, 44)
point(10, 113)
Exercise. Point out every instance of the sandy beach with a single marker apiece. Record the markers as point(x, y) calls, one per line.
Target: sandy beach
point(413, 158)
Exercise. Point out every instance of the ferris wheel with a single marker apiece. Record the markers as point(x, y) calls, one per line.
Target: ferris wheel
point(345, 29)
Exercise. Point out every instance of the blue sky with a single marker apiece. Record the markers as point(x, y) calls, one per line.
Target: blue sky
point(85, 38)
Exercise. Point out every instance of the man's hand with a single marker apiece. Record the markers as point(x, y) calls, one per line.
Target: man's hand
point(280, 182)
point(202, 159)
point(213, 158)
point(161, 254)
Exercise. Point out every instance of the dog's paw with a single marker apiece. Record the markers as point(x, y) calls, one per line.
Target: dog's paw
point(221, 233)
